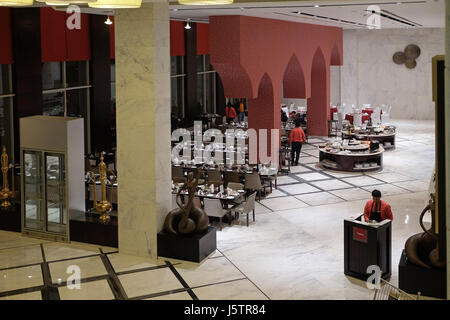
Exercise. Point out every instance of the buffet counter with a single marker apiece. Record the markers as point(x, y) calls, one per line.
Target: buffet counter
point(356, 157)
point(384, 135)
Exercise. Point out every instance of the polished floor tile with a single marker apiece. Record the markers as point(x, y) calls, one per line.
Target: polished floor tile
point(281, 180)
point(260, 209)
point(57, 251)
point(235, 290)
point(414, 186)
point(312, 152)
point(122, 262)
point(89, 267)
point(390, 177)
point(149, 282)
point(20, 256)
point(319, 198)
point(208, 272)
point(173, 296)
point(352, 194)
point(94, 290)
point(362, 181)
point(386, 189)
point(308, 160)
point(299, 169)
point(284, 203)
point(299, 188)
point(312, 176)
point(20, 278)
point(276, 193)
point(36, 295)
point(341, 174)
point(331, 184)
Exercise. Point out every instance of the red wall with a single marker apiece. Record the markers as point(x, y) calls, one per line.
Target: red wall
point(112, 39)
point(202, 38)
point(177, 41)
point(5, 36)
point(246, 49)
point(58, 43)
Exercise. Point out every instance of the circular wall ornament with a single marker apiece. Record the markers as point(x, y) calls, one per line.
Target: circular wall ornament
point(410, 63)
point(412, 51)
point(399, 57)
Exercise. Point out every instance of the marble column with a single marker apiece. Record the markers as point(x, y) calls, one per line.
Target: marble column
point(447, 141)
point(143, 125)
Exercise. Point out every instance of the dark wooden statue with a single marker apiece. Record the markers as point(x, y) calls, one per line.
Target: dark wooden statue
point(422, 249)
point(187, 218)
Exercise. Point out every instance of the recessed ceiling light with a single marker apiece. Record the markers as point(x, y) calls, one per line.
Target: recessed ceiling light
point(316, 6)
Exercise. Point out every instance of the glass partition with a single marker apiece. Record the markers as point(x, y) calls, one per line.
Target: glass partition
point(33, 194)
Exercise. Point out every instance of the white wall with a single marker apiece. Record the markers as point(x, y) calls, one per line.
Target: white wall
point(369, 74)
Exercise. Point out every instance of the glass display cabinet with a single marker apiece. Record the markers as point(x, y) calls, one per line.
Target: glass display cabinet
point(52, 170)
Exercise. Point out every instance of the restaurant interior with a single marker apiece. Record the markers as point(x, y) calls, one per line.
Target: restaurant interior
point(142, 141)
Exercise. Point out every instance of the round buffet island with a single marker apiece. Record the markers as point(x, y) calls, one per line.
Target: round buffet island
point(355, 159)
point(384, 135)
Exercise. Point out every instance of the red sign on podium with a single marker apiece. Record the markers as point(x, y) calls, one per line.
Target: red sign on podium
point(360, 234)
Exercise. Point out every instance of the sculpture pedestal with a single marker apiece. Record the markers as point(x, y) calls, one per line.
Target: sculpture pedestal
point(412, 279)
point(190, 248)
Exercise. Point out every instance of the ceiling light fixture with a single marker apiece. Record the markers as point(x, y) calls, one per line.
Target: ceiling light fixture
point(56, 3)
point(204, 2)
point(116, 4)
point(108, 21)
point(187, 26)
point(64, 2)
point(316, 6)
point(16, 3)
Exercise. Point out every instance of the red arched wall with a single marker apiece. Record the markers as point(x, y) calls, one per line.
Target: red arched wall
point(244, 49)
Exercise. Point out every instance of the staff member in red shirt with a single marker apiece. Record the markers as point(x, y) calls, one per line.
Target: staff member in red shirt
point(230, 112)
point(296, 139)
point(376, 209)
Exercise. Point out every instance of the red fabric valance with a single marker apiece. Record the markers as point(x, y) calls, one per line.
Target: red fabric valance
point(58, 43)
point(5, 36)
point(177, 42)
point(112, 39)
point(202, 38)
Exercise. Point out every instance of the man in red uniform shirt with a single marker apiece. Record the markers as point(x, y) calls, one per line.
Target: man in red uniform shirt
point(296, 139)
point(376, 209)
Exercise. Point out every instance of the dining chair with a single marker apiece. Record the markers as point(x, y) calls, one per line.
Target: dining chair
point(214, 175)
point(246, 207)
point(235, 186)
point(213, 208)
point(253, 183)
point(231, 176)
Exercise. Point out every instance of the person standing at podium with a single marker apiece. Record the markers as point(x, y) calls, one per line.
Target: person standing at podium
point(377, 209)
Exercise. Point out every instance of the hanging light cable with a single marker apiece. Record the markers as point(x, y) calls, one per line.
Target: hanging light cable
point(204, 2)
point(16, 3)
point(116, 4)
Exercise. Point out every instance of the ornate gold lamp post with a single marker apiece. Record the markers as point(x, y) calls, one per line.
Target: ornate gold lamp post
point(5, 193)
point(103, 206)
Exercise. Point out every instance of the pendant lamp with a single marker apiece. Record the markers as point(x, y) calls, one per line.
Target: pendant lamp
point(16, 3)
point(116, 4)
point(204, 2)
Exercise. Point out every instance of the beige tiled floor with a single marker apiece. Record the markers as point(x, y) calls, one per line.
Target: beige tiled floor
point(294, 250)
point(149, 282)
point(95, 290)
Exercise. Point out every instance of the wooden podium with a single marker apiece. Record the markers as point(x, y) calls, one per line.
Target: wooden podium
point(365, 245)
